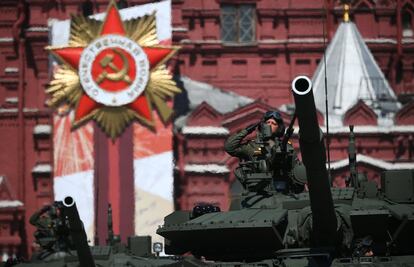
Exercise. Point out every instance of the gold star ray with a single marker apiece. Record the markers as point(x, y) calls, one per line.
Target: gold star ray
point(143, 31)
point(83, 30)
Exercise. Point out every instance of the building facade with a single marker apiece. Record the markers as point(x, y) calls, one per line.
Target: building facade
point(237, 60)
point(254, 49)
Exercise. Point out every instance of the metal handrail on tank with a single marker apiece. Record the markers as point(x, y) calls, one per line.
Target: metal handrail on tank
point(324, 222)
point(77, 233)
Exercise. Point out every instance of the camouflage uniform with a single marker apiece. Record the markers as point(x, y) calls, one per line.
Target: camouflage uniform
point(45, 232)
point(283, 163)
point(51, 232)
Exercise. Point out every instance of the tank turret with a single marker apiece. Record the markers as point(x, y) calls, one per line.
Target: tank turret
point(269, 215)
point(354, 225)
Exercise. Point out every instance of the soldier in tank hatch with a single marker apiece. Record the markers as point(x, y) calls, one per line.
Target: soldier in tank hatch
point(51, 233)
point(280, 156)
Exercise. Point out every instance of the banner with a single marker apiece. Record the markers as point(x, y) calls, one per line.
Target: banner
point(153, 163)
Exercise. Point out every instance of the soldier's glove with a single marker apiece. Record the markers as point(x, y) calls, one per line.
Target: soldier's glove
point(58, 204)
point(45, 208)
point(252, 127)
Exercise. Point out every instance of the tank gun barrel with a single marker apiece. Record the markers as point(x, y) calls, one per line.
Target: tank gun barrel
point(313, 151)
point(77, 232)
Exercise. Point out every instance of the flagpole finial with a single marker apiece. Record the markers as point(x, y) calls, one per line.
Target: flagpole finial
point(346, 12)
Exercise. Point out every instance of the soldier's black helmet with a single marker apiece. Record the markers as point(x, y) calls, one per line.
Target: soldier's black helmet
point(272, 114)
point(53, 212)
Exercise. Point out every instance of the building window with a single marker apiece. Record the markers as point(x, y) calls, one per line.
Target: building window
point(407, 25)
point(268, 68)
point(122, 4)
point(87, 8)
point(238, 23)
point(210, 68)
point(239, 68)
point(303, 66)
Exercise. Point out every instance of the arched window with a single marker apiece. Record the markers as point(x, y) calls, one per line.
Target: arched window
point(407, 24)
point(87, 8)
point(122, 4)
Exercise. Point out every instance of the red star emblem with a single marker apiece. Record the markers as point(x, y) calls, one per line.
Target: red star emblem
point(108, 63)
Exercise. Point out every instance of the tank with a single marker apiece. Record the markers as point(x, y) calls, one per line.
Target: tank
point(67, 245)
point(325, 226)
point(357, 225)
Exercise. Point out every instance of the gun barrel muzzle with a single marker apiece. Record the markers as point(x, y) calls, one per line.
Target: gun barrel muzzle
point(68, 201)
point(301, 85)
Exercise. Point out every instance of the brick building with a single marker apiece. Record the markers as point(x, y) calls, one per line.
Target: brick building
point(254, 49)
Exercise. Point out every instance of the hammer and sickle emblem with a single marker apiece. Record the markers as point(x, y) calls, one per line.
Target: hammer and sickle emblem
point(119, 74)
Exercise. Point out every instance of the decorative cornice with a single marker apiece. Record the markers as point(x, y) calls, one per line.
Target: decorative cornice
point(385, 11)
point(282, 44)
point(271, 13)
point(42, 129)
point(344, 163)
point(28, 112)
point(38, 29)
point(201, 13)
point(207, 168)
point(179, 29)
point(10, 204)
point(42, 169)
point(6, 39)
point(205, 130)
point(306, 13)
point(362, 129)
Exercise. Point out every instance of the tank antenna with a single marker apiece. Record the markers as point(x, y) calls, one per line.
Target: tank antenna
point(326, 92)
